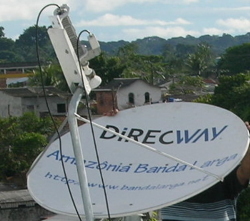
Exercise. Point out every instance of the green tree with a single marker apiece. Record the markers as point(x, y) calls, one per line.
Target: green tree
point(236, 59)
point(233, 93)
point(127, 51)
point(6, 44)
point(183, 50)
point(127, 55)
point(8, 57)
point(187, 85)
point(198, 62)
point(21, 140)
point(172, 66)
point(7, 52)
point(51, 75)
point(243, 210)
point(34, 36)
point(168, 50)
point(2, 32)
point(107, 67)
point(150, 68)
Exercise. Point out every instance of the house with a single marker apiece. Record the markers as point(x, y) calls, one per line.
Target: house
point(210, 84)
point(17, 101)
point(123, 93)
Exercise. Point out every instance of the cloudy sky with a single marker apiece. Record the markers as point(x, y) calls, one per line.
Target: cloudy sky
point(113, 20)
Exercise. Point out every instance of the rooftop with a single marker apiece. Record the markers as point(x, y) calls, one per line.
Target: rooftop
point(34, 92)
point(15, 198)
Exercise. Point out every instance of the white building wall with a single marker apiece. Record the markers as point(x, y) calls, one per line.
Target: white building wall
point(138, 88)
point(9, 105)
point(17, 106)
point(53, 101)
point(30, 104)
point(39, 104)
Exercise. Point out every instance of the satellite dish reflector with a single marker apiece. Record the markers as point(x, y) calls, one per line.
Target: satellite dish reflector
point(139, 179)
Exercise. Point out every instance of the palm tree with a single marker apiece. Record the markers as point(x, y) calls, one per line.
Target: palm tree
point(51, 75)
point(199, 61)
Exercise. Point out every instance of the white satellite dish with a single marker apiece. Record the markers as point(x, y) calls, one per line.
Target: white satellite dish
point(136, 178)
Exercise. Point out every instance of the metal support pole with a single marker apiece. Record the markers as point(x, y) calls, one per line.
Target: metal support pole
point(75, 136)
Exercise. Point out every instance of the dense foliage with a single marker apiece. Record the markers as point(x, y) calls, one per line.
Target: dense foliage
point(24, 48)
point(21, 140)
point(232, 93)
point(154, 45)
point(236, 59)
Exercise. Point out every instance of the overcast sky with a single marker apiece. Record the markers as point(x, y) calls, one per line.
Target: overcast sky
point(113, 20)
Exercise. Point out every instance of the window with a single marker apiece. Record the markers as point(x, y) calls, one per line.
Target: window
point(61, 108)
point(147, 97)
point(30, 108)
point(131, 98)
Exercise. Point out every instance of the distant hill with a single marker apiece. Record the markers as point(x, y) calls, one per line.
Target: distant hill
point(156, 46)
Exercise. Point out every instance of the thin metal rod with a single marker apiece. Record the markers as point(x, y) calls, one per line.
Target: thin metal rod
point(75, 136)
point(151, 148)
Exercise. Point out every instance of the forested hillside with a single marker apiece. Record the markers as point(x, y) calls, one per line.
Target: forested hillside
point(23, 48)
point(158, 46)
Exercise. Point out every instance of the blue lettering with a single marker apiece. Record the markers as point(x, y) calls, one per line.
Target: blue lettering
point(55, 154)
point(205, 133)
point(186, 136)
point(215, 135)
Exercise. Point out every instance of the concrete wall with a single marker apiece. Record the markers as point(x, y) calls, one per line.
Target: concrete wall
point(39, 104)
point(16, 106)
point(10, 106)
point(23, 214)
